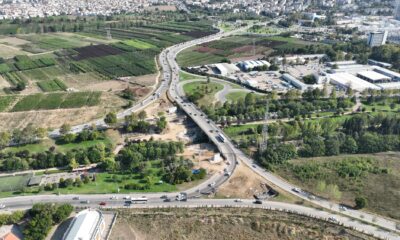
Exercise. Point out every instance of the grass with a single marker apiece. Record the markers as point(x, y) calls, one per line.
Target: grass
point(13, 183)
point(6, 101)
point(52, 85)
point(57, 100)
point(138, 44)
point(235, 96)
point(209, 97)
point(379, 188)
point(184, 76)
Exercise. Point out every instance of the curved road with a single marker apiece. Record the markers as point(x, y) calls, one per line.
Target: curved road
point(228, 150)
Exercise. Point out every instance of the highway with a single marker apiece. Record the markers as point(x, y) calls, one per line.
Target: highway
point(170, 80)
point(93, 201)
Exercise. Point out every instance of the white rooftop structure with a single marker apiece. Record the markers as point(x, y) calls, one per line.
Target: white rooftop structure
point(372, 76)
point(340, 63)
point(226, 68)
point(394, 75)
point(389, 85)
point(346, 80)
point(87, 225)
point(295, 82)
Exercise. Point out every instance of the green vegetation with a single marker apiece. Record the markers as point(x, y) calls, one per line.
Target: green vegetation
point(43, 216)
point(236, 47)
point(57, 100)
point(202, 93)
point(14, 183)
point(355, 180)
point(138, 44)
point(13, 218)
point(52, 85)
point(183, 76)
point(6, 101)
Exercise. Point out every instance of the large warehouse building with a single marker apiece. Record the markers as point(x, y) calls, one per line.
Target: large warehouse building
point(87, 225)
point(346, 80)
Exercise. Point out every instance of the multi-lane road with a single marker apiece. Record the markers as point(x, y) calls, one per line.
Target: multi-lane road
point(170, 81)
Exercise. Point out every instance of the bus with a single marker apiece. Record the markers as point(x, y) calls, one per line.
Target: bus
point(142, 200)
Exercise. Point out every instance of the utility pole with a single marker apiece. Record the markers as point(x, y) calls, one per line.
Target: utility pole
point(264, 141)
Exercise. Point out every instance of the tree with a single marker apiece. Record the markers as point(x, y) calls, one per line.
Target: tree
point(4, 139)
point(142, 115)
point(111, 118)
point(65, 128)
point(73, 164)
point(361, 202)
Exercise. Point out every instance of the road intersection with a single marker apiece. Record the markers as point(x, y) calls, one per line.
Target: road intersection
point(233, 155)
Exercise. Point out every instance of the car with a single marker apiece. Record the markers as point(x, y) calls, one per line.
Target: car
point(164, 197)
point(211, 184)
point(342, 208)
point(75, 198)
point(332, 219)
point(238, 200)
point(167, 200)
point(2, 206)
point(103, 204)
point(258, 201)
point(127, 198)
point(254, 166)
point(114, 198)
point(297, 190)
point(85, 201)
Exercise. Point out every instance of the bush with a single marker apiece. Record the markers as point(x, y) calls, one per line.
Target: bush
point(361, 202)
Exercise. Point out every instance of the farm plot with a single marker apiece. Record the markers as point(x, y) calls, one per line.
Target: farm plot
point(57, 100)
point(235, 47)
point(96, 51)
point(6, 101)
point(52, 85)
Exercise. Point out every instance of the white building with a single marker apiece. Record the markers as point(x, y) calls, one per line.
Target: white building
point(347, 80)
point(295, 82)
point(393, 75)
point(87, 225)
point(377, 38)
point(373, 77)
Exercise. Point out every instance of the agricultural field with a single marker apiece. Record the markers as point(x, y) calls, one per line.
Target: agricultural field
point(342, 178)
point(6, 101)
point(56, 101)
point(234, 48)
point(224, 223)
point(52, 85)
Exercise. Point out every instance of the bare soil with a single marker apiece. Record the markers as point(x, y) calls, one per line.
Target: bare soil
point(223, 223)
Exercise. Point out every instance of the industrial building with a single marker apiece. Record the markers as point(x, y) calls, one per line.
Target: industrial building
point(346, 80)
point(225, 69)
point(373, 77)
point(251, 64)
point(377, 38)
point(87, 225)
point(295, 82)
point(393, 75)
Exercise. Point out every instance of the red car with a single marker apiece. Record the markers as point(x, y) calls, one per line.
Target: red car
point(103, 204)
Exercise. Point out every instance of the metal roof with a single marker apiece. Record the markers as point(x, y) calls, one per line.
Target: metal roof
point(84, 226)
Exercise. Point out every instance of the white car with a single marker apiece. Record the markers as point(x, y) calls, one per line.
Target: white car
point(298, 190)
point(127, 198)
point(114, 198)
point(2, 206)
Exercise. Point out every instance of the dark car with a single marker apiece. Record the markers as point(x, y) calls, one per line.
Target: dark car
point(102, 203)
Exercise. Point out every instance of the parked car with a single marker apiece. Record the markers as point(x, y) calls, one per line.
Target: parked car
point(103, 204)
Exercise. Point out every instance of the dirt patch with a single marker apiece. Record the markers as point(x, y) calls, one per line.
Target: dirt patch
point(4, 83)
point(243, 183)
point(245, 48)
point(144, 81)
point(254, 57)
point(14, 41)
point(112, 85)
point(161, 8)
point(224, 223)
point(55, 118)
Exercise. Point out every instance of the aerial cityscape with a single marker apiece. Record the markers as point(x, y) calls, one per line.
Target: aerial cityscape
point(199, 119)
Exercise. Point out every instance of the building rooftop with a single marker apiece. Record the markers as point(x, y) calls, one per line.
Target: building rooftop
point(84, 225)
point(349, 80)
point(373, 76)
